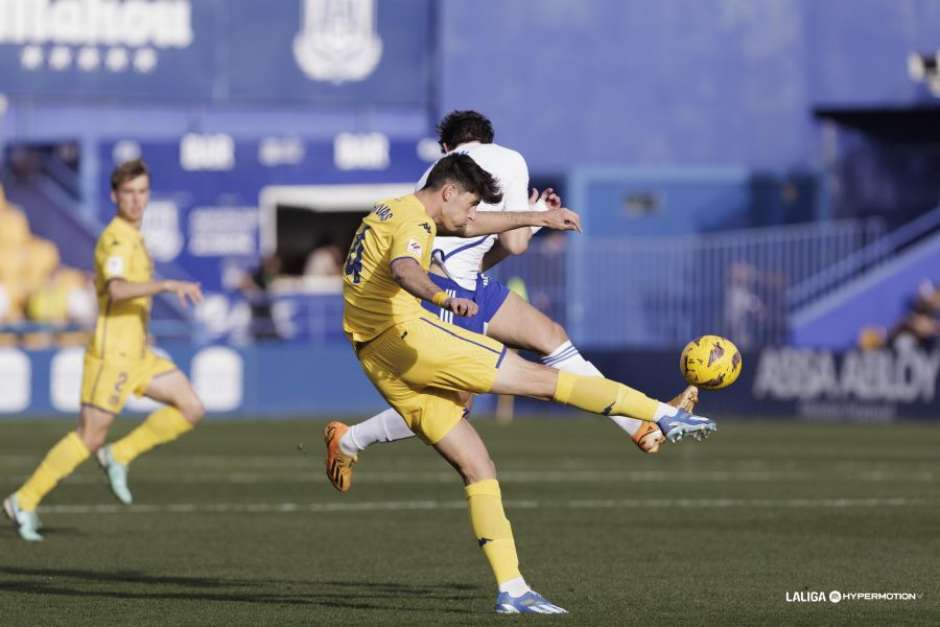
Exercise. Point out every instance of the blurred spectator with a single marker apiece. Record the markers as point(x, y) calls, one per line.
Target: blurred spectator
point(872, 338)
point(744, 309)
point(919, 327)
point(755, 305)
point(326, 259)
point(256, 288)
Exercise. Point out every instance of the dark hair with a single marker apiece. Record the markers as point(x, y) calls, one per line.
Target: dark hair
point(464, 171)
point(460, 127)
point(127, 171)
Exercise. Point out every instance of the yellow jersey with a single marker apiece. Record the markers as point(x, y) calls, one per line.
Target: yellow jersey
point(121, 329)
point(399, 227)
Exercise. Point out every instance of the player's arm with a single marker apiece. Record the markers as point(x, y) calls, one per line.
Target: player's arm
point(495, 222)
point(112, 262)
point(516, 241)
point(186, 291)
point(414, 279)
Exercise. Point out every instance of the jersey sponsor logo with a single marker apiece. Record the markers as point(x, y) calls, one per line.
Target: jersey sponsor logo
point(94, 35)
point(414, 247)
point(114, 266)
point(426, 227)
point(338, 41)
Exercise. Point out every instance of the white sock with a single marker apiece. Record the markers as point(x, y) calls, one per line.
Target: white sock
point(566, 357)
point(387, 426)
point(515, 587)
point(664, 410)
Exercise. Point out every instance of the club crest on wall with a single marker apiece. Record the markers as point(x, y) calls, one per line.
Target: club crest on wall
point(338, 41)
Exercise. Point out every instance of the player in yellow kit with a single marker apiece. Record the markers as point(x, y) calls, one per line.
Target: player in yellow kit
point(424, 367)
point(118, 361)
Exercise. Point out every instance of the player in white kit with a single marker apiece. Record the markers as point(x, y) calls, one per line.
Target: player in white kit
point(456, 268)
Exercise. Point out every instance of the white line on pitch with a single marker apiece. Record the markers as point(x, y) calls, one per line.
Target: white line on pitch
point(690, 503)
point(307, 475)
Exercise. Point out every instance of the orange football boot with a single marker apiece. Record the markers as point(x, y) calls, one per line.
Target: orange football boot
point(648, 437)
point(338, 464)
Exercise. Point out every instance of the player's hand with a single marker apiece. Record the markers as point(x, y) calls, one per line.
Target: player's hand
point(462, 307)
point(186, 291)
point(548, 199)
point(562, 219)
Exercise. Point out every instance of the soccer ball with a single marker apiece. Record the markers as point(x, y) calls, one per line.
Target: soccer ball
point(711, 362)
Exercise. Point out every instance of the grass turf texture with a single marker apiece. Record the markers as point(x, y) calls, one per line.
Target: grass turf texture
point(234, 526)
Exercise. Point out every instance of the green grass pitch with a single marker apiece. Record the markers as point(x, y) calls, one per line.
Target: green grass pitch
point(234, 526)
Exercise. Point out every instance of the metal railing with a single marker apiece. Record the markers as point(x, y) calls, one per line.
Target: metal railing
point(661, 292)
point(835, 275)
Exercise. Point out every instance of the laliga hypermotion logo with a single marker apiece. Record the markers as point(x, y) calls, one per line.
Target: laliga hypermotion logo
point(93, 35)
point(338, 41)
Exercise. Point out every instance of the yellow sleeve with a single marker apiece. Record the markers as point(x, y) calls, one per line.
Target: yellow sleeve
point(411, 239)
point(115, 258)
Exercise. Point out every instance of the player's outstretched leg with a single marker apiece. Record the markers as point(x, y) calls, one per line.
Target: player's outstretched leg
point(59, 462)
point(183, 412)
point(385, 426)
point(465, 451)
point(519, 324)
point(646, 435)
point(596, 395)
point(339, 462)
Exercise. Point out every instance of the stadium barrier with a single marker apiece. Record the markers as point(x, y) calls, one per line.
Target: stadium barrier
point(284, 380)
point(274, 380)
point(660, 292)
point(811, 384)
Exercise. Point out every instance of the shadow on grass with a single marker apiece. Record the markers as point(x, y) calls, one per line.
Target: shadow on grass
point(368, 595)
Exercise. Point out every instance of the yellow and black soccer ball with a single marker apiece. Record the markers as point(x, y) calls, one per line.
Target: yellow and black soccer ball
point(710, 362)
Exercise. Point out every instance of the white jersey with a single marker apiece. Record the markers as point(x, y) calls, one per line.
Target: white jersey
point(462, 256)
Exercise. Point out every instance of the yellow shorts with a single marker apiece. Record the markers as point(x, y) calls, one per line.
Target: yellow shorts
point(424, 367)
point(107, 382)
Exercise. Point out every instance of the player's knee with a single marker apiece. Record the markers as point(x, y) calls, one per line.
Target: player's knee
point(556, 336)
point(193, 409)
point(549, 337)
point(92, 438)
point(478, 470)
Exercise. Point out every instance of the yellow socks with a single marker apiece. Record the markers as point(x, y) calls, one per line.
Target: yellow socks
point(492, 529)
point(603, 396)
point(59, 462)
point(160, 427)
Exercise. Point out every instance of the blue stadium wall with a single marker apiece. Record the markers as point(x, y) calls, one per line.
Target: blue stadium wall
point(566, 82)
point(677, 82)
